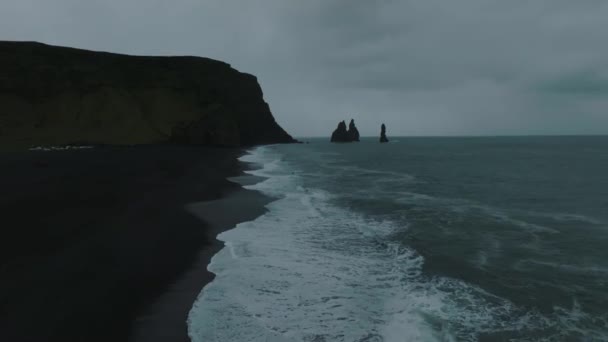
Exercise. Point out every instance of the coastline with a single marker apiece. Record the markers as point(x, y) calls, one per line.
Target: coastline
point(166, 318)
point(101, 244)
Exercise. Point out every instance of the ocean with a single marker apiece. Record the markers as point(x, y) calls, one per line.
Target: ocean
point(420, 239)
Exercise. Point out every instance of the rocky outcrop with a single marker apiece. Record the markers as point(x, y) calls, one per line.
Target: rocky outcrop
point(383, 138)
point(341, 134)
point(353, 132)
point(55, 96)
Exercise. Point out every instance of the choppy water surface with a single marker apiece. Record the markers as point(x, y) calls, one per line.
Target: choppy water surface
point(421, 239)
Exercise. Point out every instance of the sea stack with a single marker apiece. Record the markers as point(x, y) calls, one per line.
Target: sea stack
point(341, 134)
point(383, 138)
point(353, 132)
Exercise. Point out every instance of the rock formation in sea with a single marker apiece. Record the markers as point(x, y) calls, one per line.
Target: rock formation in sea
point(341, 134)
point(353, 132)
point(57, 96)
point(383, 138)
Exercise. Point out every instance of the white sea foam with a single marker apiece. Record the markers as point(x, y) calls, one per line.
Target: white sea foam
point(568, 268)
point(378, 175)
point(464, 206)
point(565, 217)
point(309, 270)
point(59, 148)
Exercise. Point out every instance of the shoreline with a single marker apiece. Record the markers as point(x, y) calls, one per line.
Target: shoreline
point(166, 319)
point(100, 237)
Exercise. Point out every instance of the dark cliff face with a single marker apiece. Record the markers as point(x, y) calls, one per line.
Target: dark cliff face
point(341, 134)
point(55, 96)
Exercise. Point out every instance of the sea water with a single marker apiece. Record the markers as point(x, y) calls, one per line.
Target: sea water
point(421, 239)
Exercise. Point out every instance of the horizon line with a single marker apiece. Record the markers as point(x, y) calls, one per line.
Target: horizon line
point(468, 136)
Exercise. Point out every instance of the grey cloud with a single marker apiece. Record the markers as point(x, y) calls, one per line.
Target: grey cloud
point(586, 83)
point(422, 66)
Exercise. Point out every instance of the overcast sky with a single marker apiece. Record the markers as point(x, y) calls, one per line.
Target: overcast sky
point(423, 67)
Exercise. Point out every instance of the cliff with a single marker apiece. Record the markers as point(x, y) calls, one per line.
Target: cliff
point(55, 96)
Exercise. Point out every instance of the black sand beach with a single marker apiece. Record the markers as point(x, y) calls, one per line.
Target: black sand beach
point(112, 243)
point(163, 320)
